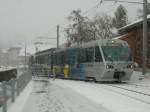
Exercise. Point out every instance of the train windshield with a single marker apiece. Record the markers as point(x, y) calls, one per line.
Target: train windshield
point(116, 53)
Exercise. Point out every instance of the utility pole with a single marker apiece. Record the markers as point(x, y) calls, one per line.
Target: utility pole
point(57, 36)
point(25, 51)
point(145, 33)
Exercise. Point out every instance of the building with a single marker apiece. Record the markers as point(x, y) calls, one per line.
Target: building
point(133, 34)
point(4, 58)
point(12, 56)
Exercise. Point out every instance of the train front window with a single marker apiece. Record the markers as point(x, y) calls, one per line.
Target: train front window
point(116, 53)
point(98, 57)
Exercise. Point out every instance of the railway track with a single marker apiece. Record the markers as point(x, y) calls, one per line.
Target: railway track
point(139, 85)
point(128, 90)
point(131, 90)
point(132, 94)
point(136, 95)
point(139, 92)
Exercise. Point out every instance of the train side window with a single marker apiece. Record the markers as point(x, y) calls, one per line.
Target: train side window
point(58, 58)
point(54, 59)
point(89, 54)
point(98, 57)
point(81, 55)
point(64, 57)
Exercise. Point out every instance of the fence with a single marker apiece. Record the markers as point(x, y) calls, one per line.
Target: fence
point(11, 89)
point(41, 70)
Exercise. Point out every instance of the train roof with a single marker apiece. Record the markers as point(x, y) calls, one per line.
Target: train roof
point(83, 45)
point(47, 51)
point(103, 42)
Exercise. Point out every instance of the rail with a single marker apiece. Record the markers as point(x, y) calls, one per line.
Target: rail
point(127, 95)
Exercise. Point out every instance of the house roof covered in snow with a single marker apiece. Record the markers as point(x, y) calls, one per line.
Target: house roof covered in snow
point(133, 25)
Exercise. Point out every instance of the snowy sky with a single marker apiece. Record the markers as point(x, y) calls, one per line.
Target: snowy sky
point(25, 20)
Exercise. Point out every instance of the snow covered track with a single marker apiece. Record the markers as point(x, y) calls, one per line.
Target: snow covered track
point(113, 98)
point(138, 85)
point(136, 95)
point(132, 90)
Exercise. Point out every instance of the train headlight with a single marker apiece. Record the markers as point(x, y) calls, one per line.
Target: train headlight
point(130, 66)
point(109, 67)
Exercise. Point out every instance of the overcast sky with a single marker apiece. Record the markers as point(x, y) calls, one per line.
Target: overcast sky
point(22, 20)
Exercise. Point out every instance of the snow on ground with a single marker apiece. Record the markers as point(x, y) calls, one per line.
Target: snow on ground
point(138, 78)
point(48, 95)
point(104, 96)
point(20, 101)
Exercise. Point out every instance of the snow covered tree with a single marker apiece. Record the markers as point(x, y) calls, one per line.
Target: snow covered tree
point(80, 28)
point(103, 26)
point(121, 17)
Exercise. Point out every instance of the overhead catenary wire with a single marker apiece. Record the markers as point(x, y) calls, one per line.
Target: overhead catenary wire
point(132, 2)
point(100, 2)
point(94, 9)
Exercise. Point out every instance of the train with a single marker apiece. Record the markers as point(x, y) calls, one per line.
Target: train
point(100, 60)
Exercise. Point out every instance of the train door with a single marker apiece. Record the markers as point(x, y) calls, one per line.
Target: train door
point(75, 70)
point(98, 65)
point(51, 63)
point(102, 64)
point(89, 63)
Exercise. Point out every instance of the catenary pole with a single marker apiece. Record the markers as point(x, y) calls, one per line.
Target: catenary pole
point(57, 36)
point(25, 54)
point(145, 34)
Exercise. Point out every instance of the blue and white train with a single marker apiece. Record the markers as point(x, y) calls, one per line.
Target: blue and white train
point(100, 60)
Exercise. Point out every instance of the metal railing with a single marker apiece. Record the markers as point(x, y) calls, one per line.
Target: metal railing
point(41, 70)
point(11, 89)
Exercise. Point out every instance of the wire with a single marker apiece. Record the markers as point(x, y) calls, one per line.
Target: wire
point(112, 9)
point(92, 8)
point(125, 1)
point(95, 7)
point(51, 29)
